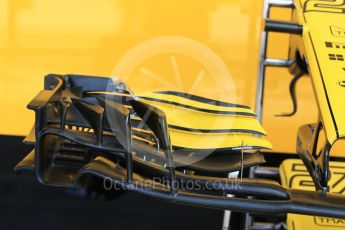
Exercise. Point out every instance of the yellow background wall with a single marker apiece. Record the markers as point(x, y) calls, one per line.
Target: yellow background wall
point(91, 37)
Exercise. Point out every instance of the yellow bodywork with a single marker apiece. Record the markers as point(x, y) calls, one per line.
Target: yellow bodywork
point(323, 38)
point(294, 175)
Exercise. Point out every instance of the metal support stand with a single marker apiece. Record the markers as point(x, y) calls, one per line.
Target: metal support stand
point(227, 213)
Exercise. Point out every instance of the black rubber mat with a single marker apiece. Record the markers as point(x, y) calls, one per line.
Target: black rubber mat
point(26, 204)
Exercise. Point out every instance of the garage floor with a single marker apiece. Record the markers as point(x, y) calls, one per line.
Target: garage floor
point(24, 203)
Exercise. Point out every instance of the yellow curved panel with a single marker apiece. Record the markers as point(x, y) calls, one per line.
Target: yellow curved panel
point(181, 102)
point(183, 117)
point(193, 103)
point(191, 140)
point(214, 119)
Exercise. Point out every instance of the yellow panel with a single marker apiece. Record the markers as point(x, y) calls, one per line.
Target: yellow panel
point(212, 141)
point(158, 98)
point(190, 102)
point(295, 175)
point(299, 222)
point(323, 36)
point(182, 117)
point(214, 117)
